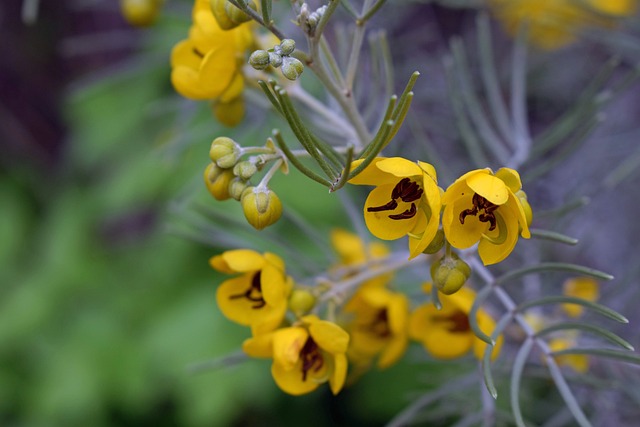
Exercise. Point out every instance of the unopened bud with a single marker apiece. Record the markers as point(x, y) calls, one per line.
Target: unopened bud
point(217, 181)
point(245, 169)
point(237, 187)
point(436, 244)
point(275, 60)
point(259, 59)
point(287, 46)
point(225, 152)
point(301, 302)
point(227, 15)
point(291, 68)
point(450, 274)
point(261, 206)
point(140, 13)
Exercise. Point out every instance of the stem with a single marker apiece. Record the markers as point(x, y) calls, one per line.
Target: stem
point(270, 173)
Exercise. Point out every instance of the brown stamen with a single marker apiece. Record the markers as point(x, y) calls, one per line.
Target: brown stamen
point(480, 203)
point(405, 190)
point(311, 358)
point(256, 288)
point(380, 324)
point(197, 52)
point(459, 322)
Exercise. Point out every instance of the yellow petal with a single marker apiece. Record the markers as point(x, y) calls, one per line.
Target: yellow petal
point(511, 178)
point(234, 90)
point(393, 351)
point(491, 253)
point(287, 344)
point(399, 167)
point(183, 54)
point(336, 381)
point(329, 336)
point(460, 188)
point(442, 344)
point(379, 223)
point(397, 313)
point(490, 187)
point(230, 113)
point(217, 262)
point(268, 318)
point(243, 260)
point(290, 380)
point(239, 310)
point(579, 287)
point(186, 82)
point(460, 235)
point(429, 170)
point(259, 346)
point(217, 69)
point(371, 175)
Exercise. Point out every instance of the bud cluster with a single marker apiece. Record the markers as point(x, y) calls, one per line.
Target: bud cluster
point(228, 177)
point(279, 56)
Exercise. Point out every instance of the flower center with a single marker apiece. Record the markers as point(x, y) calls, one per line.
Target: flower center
point(380, 324)
point(406, 190)
point(481, 204)
point(311, 358)
point(254, 293)
point(457, 322)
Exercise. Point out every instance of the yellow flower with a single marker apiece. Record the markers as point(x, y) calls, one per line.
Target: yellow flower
point(578, 362)
point(305, 355)
point(352, 252)
point(208, 65)
point(379, 326)
point(446, 333)
point(579, 287)
point(482, 206)
point(258, 297)
point(555, 23)
point(406, 201)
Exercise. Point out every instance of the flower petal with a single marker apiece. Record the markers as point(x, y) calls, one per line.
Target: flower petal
point(329, 336)
point(491, 253)
point(399, 167)
point(371, 175)
point(490, 187)
point(287, 344)
point(460, 235)
point(243, 260)
point(259, 346)
point(290, 380)
point(339, 374)
point(510, 177)
point(379, 223)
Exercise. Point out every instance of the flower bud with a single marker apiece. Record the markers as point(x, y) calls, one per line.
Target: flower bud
point(291, 68)
point(301, 301)
point(227, 15)
point(261, 206)
point(259, 59)
point(245, 169)
point(275, 60)
point(225, 152)
point(436, 244)
point(450, 274)
point(217, 181)
point(237, 187)
point(140, 13)
point(287, 46)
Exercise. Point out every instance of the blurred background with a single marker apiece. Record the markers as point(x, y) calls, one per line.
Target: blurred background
point(105, 301)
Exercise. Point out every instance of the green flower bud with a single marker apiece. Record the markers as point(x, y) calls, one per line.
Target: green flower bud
point(245, 169)
point(275, 60)
point(436, 244)
point(227, 15)
point(301, 302)
point(261, 206)
point(450, 274)
point(217, 181)
point(237, 187)
point(291, 68)
point(259, 59)
point(287, 46)
point(225, 152)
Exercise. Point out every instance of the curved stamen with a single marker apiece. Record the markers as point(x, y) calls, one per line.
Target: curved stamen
point(409, 213)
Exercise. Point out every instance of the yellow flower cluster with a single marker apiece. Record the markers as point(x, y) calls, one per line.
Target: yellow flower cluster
point(479, 207)
point(208, 64)
point(374, 325)
point(553, 24)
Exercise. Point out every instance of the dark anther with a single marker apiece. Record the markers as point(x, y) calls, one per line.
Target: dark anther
point(256, 287)
point(409, 213)
point(405, 190)
point(480, 203)
point(380, 324)
point(197, 52)
point(458, 321)
point(311, 357)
